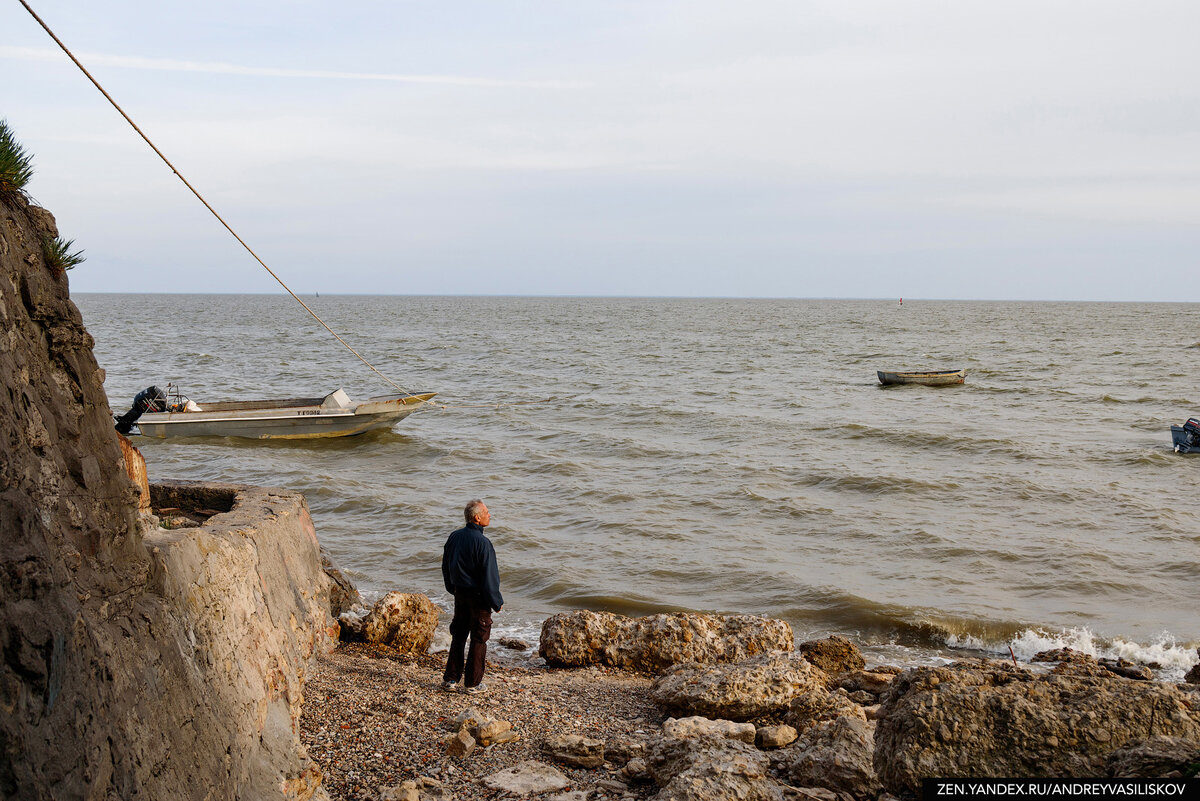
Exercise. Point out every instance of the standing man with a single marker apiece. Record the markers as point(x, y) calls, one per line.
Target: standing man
point(470, 573)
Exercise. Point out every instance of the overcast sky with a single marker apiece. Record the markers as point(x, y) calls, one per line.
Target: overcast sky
point(957, 149)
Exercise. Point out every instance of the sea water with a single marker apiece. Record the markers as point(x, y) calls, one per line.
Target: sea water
point(730, 456)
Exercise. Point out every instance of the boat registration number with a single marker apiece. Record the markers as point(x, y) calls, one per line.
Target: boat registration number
point(309, 411)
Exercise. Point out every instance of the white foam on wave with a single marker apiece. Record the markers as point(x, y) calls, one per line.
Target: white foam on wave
point(1173, 657)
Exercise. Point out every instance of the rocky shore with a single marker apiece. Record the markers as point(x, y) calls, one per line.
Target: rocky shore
point(699, 707)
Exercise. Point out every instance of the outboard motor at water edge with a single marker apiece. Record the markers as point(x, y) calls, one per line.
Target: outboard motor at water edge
point(150, 399)
point(1187, 436)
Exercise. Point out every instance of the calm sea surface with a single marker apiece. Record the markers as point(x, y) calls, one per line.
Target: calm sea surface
point(731, 456)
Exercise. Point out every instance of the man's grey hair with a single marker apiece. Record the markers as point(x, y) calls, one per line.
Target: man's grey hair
point(472, 509)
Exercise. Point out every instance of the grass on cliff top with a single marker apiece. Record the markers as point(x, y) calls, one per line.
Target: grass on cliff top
point(16, 166)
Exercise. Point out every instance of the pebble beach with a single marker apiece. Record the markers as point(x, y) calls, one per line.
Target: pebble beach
point(374, 718)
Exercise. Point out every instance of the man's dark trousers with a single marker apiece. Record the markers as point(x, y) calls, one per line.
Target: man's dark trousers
point(473, 618)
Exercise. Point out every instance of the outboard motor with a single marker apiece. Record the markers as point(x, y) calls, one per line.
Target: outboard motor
point(1192, 430)
point(1187, 436)
point(150, 399)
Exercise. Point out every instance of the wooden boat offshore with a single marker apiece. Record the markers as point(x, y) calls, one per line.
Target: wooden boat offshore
point(938, 378)
point(334, 415)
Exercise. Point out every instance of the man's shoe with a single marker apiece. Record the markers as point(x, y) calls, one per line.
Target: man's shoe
point(476, 690)
point(449, 686)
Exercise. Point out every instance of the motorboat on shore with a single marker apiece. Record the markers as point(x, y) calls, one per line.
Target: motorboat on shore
point(170, 414)
point(1186, 438)
point(937, 378)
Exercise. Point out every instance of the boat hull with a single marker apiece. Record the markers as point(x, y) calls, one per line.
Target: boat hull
point(309, 421)
point(943, 378)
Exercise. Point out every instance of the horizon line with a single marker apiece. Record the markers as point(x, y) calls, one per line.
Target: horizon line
point(637, 297)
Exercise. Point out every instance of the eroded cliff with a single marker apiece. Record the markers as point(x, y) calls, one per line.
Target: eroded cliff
point(136, 662)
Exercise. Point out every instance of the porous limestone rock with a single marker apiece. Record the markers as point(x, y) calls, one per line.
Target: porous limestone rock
point(575, 750)
point(574, 639)
point(1064, 656)
point(1153, 757)
point(404, 621)
point(875, 683)
point(738, 691)
point(635, 770)
point(775, 736)
point(134, 662)
point(697, 726)
point(818, 705)
point(513, 643)
point(990, 718)
point(527, 778)
point(709, 769)
point(469, 718)
point(493, 731)
point(834, 654)
point(1077, 663)
point(836, 755)
point(1126, 669)
point(620, 750)
point(422, 788)
point(460, 744)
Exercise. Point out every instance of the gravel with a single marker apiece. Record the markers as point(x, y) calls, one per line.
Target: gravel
point(374, 718)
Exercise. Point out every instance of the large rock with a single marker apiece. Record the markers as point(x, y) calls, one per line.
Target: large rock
point(527, 778)
point(833, 655)
point(875, 683)
point(739, 691)
point(836, 755)
point(575, 750)
point(573, 639)
point(404, 621)
point(696, 727)
point(988, 718)
point(775, 736)
point(134, 662)
point(818, 705)
point(1076, 663)
point(710, 769)
point(1153, 757)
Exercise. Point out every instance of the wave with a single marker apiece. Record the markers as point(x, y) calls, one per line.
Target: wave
point(1145, 400)
point(959, 443)
point(913, 635)
point(875, 484)
point(1165, 654)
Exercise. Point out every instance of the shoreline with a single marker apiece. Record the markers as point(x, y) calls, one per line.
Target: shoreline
point(375, 718)
point(1174, 657)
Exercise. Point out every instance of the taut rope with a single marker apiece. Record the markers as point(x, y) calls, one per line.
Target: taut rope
point(200, 197)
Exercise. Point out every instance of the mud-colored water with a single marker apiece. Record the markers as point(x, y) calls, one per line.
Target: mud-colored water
point(732, 455)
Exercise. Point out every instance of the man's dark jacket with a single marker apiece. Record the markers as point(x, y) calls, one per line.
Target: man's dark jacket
point(469, 563)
